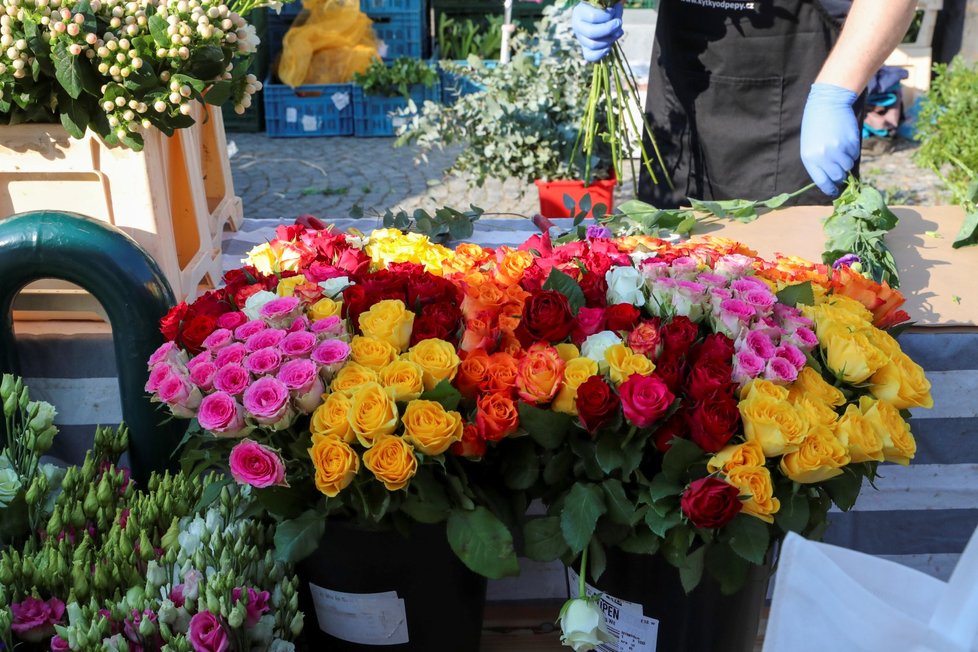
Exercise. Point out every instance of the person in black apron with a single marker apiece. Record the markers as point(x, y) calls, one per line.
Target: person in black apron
point(731, 80)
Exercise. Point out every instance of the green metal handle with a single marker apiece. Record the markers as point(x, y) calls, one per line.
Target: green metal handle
point(121, 276)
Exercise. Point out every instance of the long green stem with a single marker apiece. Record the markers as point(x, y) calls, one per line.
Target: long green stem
point(580, 580)
point(633, 87)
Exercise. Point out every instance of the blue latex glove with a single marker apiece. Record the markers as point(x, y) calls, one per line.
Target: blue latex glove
point(596, 29)
point(829, 136)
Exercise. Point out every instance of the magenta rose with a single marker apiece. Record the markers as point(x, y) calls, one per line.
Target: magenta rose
point(157, 375)
point(265, 339)
point(644, 399)
point(298, 375)
point(180, 395)
point(34, 619)
point(267, 399)
point(733, 316)
point(263, 361)
point(804, 338)
point(247, 329)
point(58, 644)
point(257, 604)
point(298, 344)
point(328, 326)
point(207, 633)
point(220, 414)
point(256, 465)
point(281, 311)
point(231, 320)
point(748, 284)
point(759, 343)
point(589, 322)
point(217, 339)
point(301, 323)
point(762, 300)
point(331, 352)
point(747, 365)
point(203, 376)
point(232, 379)
point(712, 280)
point(780, 371)
point(167, 352)
point(231, 354)
point(203, 357)
point(792, 354)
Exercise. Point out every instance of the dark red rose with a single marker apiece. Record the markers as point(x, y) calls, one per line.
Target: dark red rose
point(589, 322)
point(645, 399)
point(247, 275)
point(595, 289)
point(675, 428)
point(716, 346)
point(429, 328)
point(679, 334)
point(311, 222)
point(709, 376)
point(536, 275)
point(195, 331)
point(385, 285)
point(170, 322)
point(713, 422)
point(623, 317)
point(407, 268)
point(425, 288)
point(546, 317)
point(597, 403)
point(710, 502)
point(355, 302)
point(671, 368)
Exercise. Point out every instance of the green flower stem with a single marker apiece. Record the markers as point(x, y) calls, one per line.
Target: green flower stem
point(580, 579)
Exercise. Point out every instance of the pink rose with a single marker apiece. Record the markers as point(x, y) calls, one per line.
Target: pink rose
point(203, 376)
point(653, 268)
point(792, 354)
point(180, 395)
point(300, 324)
point(589, 322)
point(299, 375)
point(217, 339)
point(748, 284)
point(329, 326)
point(732, 317)
point(232, 379)
point(219, 413)
point(207, 633)
point(712, 280)
point(34, 619)
point(780, 371)
point(157, 375)
point(257, 604)
point(331, 352)
point(733, 265)
point(231, 320)
point(683, 268)
point(298, 344)
point(201, 358)
point(644, 399)
point(58, 644)
point(249, 328)
point(267, 400)
point(167, 352)
point(263, 361)
point(761, 300)
point(759, 343)
point(804, 338)
point(280, 311)
point(230, 354)
point(256, 465)
point(265, 339)
point(747, 366)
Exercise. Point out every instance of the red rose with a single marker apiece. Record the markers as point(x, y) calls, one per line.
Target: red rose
point(713, 422)
point(710, 502)
point(407, 268)
point(443, 317)
point(429, 328)
point(355, 302)
point(170, 322)
point(716, 346)
point(589, 322)
point(353, 262)
point(597, 403)
point(645, 338)
point(194, 332)
point(679, 334)
point(546, 317)
point(671, 368)
point(384, 285)
point(622, 317)
point(597, 263)
point(472, 444)
point(595, 289)
point(675, 428)
point(425, 288)
point(708, 377)
point(644, 399)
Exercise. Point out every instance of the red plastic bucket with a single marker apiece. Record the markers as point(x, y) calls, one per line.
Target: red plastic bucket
point(552, 195)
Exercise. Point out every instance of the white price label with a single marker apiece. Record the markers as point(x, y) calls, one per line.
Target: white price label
point(310, 123)
point(340, 100)
point(624, 620)
point(364, 618)
point(291, 115)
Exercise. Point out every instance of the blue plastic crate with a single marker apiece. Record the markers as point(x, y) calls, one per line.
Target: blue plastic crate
point(455, 85)
point(388, 7)
point(311, 110)
point(373, 112)
point(291, 9)
point(404, 36)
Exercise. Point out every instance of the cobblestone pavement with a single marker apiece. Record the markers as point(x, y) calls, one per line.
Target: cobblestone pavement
point(326, 177)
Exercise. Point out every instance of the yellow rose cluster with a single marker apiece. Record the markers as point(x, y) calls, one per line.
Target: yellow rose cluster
point(387, 246)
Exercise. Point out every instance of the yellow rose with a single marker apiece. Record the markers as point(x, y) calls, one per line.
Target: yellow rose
point(761, 387)
point(270, 261)
point(371, 353)
point(774, 424)
point(815, 412)
point(901, 383)
point(392, 461)
point(853, 357)
point(846, 308)
point(437, 358)
point(755, 481)
point(336, 464)
point(372, 414)
point(388, 321)
point(431, 428)
point(567, 351)
point(821, 456)
point(331, 418)
point(575, 373)
point(403, 380)
point(622, 363)
point(811, 384)
point(324, 308)
point(351, 377)
point(859, 437)
point(286, 286)
point(747, 454)
point(898, 443)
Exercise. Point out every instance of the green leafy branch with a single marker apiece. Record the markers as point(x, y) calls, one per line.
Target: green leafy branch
point(858, 225)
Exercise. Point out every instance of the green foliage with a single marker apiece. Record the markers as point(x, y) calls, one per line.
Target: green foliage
point(457, 39)
point(444, 225)
point(744, 210)
point(567, 286)
point(397, 78)
point(858, 226)
point(483, 543)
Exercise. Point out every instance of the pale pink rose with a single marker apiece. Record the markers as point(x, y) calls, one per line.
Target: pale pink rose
point(265, 339)
point(312, 398)
point(298, 375)
point(232, 379)
point(688, 299)
point(203, 376)
point(712, 280)
point(207, 633)
point(281, 311)
point(217, 339)
point(683, 268)
point(762, 300)
point(219, 413)
point(331, 352)
point(33, 620)
point(203, 357)
point(180, 395)
point(791, 318)
point(231, 354)
point(298, 344)
point(157, 375)
point(267, 399)
point(653, 268)
point(247, 329)
point(780, 371)
point(263, 361)
point(733, 265)
point(748, 284)
point(804, 338)
point(769, 326)
point(329, 326)
point(792, 354)
point(231, 320)
point(167, 352)
point(257, 604)
point(256, 465)
point(759, 343)
point(747, 366)
point(732, 317)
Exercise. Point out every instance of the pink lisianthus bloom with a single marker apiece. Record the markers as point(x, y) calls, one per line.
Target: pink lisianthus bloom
point(233, 379)
point(231, 320)
point(265, 339)
point(257, 604)
point(281, 311)
point(34, 619)
point(58, 644)
point(267, 400)
point(263, 361)
point(220, 414)
point(256, 465)
point(231, 354)
point(299, 343)
point(180, 395)
point(780, 371)
point(203, 376)
point(207, 633)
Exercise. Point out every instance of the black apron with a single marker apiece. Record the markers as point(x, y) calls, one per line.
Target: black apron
point(727, 89)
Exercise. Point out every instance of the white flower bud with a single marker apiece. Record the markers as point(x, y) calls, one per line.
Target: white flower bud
point(185, 109)
point(108, 105)
point(128, 115)
point(120, 57)
point(113, 121)
point(112, 44)
point(186, 91)
point(145, 122)
point(91, 38)
point(125, 72)
point(120, 101)
point(114, 71)
point(175, 98)
point(115, 23)
point(137, 63)
point(121, 133)
point(18, 65)
point(159, 106)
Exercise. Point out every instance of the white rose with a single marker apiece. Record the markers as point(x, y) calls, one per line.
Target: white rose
point(255, 302)
point(625, 285)
point(333, 286)
point(279, 645)
point(595, 346)
point(582, 625)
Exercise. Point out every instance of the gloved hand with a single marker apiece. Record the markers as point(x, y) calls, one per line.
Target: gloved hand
point(830, 136)
point(596, 29)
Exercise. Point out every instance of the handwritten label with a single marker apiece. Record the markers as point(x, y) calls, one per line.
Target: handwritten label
point(624, 620)
point(364, 618)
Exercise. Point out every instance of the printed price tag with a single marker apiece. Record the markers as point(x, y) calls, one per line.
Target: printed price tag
point(624, 620)
point(364, 618)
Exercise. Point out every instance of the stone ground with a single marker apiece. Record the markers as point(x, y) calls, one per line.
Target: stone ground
point(326, 177)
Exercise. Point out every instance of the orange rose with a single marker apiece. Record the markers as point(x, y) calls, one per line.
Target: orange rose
point(540, 373)
point(482, 294)
point(497, 416)
point(881, 299)
point(501, 375)
point(472, 445)
point(511, 265)
point(478, 333)
point(392, 461)
point(472, 373)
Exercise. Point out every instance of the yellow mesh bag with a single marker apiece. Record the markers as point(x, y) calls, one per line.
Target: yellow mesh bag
point(335, 42)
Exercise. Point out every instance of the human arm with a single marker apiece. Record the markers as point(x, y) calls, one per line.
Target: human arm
point(830, 133)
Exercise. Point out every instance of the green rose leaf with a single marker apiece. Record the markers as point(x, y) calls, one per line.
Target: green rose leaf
point(663, 487)
point(620, 509)
point(558, 467)
point(567, 286)
point(520, 466)
point(749, 537)
point(582, 509)
point(794, 513)
point(298, 538)
point(543, 540)
point(75, 74)
point(609, 453)
point(844, 489)
point(482, 542)
point(680, 456)
point(642, 542)
point(676, 546)
point(793, 295)
point(727, 568)
point(662, 523)
point(445, 394)
point(692, 571)
point(546, 427)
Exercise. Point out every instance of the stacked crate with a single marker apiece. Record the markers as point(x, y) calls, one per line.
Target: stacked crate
point(401, 25)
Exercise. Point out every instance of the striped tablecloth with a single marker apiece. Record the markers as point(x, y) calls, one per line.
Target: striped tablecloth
point(921, 515)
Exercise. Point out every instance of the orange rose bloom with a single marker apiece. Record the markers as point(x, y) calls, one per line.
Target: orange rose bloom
point(478, 333)
point(472, 373)
point(501, 376)
point(882, 300)
point(511, 265)
point(482, 294)
point(472, 445)
point(497, 416)
point(540, 373)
